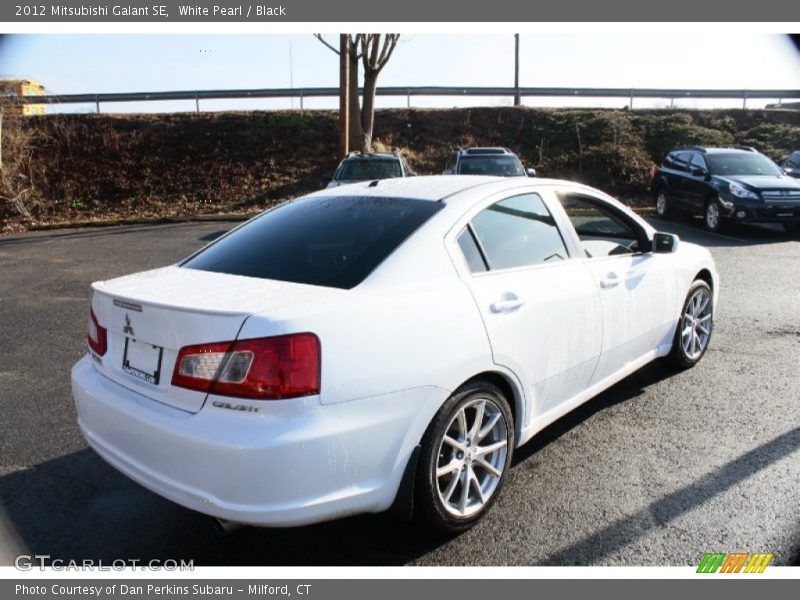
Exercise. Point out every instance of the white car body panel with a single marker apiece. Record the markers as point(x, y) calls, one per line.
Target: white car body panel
point(393, 349)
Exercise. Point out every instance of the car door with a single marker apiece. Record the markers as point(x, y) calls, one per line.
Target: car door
point(541, 309)
point(696, 187)
point(637, 288)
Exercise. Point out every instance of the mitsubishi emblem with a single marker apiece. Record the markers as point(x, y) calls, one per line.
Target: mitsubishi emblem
point(128, 329)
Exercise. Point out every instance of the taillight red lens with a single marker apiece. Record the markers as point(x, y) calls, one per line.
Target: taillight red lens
point(272, 368)
point(97, 336)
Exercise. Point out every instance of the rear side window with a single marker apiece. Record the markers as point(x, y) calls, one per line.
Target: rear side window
point(472, 253)
point(518, 232)
point(334, 242)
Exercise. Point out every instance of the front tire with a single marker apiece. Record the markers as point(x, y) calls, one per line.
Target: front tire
point(695, 326)
point(712, 217)
point(466, 454)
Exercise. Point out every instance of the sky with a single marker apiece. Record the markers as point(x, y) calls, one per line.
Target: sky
point(91, 63)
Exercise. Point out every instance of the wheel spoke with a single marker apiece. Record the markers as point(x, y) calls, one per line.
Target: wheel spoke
point(454, 443)
point(451, 487)
point(703, 301)
point(483, 450)
point(704, 319)
point(462, 424)
point(481, 462)
point(451, 467)
point(488, 427)
point(464, 491)
point(702, 328)
point(686, 331)
point(476, 426)
point(477, 485)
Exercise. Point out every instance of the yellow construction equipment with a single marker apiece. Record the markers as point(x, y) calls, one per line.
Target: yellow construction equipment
point(13, 88)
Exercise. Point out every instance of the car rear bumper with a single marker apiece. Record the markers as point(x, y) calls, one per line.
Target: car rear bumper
point(294, 462)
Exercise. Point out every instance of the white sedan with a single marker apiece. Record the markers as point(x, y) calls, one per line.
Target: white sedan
point(381, 345)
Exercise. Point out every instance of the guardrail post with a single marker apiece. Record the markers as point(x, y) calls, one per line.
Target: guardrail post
point(630, 106)
point(196, 102)
point(744, 100)
point(672, 102)
point(408, 98)
point(97, 103)
point(301, 99)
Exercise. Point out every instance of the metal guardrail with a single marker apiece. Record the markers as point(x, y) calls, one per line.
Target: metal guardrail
point(408, 92)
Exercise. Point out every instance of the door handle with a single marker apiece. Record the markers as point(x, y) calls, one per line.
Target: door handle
point(611, 280)
point(508, 303)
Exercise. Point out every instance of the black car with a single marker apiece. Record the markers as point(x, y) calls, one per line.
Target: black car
point(722, 184)
point(792, 165)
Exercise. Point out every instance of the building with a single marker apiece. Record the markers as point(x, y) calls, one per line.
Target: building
point(14, 88)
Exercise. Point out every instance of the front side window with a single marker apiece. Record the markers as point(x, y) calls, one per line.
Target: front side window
point(518, 232)
point(698, 162)
point(334, 242)
point(601, 230)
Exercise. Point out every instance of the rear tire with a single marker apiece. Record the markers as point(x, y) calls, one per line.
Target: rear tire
point(696, 323)
point(663, 209)
point(465, 458)
point(712, 217)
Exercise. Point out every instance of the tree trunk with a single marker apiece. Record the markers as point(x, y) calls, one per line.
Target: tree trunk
point(368, 111)
point(355, 108)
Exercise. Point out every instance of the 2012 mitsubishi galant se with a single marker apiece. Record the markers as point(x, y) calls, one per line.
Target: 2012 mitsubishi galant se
point(380, 345)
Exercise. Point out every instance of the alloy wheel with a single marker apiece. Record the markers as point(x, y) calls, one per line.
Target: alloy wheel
point(696, 324)
point(471, 457)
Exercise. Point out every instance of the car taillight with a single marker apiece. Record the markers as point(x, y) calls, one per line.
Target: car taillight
point(271, 368)
point(97, 336)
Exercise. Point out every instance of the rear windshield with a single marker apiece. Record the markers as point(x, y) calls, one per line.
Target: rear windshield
point(334, 242)
point(490, 165)
point(360, 169)
point(741, 164)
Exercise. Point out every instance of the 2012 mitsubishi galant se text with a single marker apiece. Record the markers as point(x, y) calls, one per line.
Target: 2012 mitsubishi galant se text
point(381, 345)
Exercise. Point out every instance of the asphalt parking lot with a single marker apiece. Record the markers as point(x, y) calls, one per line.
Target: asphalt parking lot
point(658, 470)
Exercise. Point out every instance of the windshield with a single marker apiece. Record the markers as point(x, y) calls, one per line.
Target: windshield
point(741, 164)
point(361, 169)
point(335, 242)
point(490, 165)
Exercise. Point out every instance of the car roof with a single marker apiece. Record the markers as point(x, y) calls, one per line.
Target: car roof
point(372, 156)
point(436, 187)
point(715, 150)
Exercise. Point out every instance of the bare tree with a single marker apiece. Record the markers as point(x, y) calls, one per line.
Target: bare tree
point(373, 50)
point(355, 107)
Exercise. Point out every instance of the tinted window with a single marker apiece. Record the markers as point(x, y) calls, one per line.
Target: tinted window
point(518, 232)
point(681, 160)
point(794, 159)
point(362, 169)
point(698, 162)
point(471, 252)
point(601, 230)
point(490, 165)
point(332, 242)
point(741, 163)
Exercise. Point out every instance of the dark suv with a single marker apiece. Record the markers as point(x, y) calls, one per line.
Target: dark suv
point(726, 183)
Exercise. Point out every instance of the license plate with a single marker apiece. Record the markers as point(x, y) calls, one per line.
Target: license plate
point(142, 360)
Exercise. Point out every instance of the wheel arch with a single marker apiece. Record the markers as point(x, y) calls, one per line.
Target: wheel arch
point(511, 390)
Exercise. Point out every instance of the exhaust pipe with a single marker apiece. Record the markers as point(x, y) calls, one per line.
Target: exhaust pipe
point(225, 527)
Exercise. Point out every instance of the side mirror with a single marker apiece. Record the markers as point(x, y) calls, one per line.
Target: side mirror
point(695, 172)
point(530, 172)
point(664, 243)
